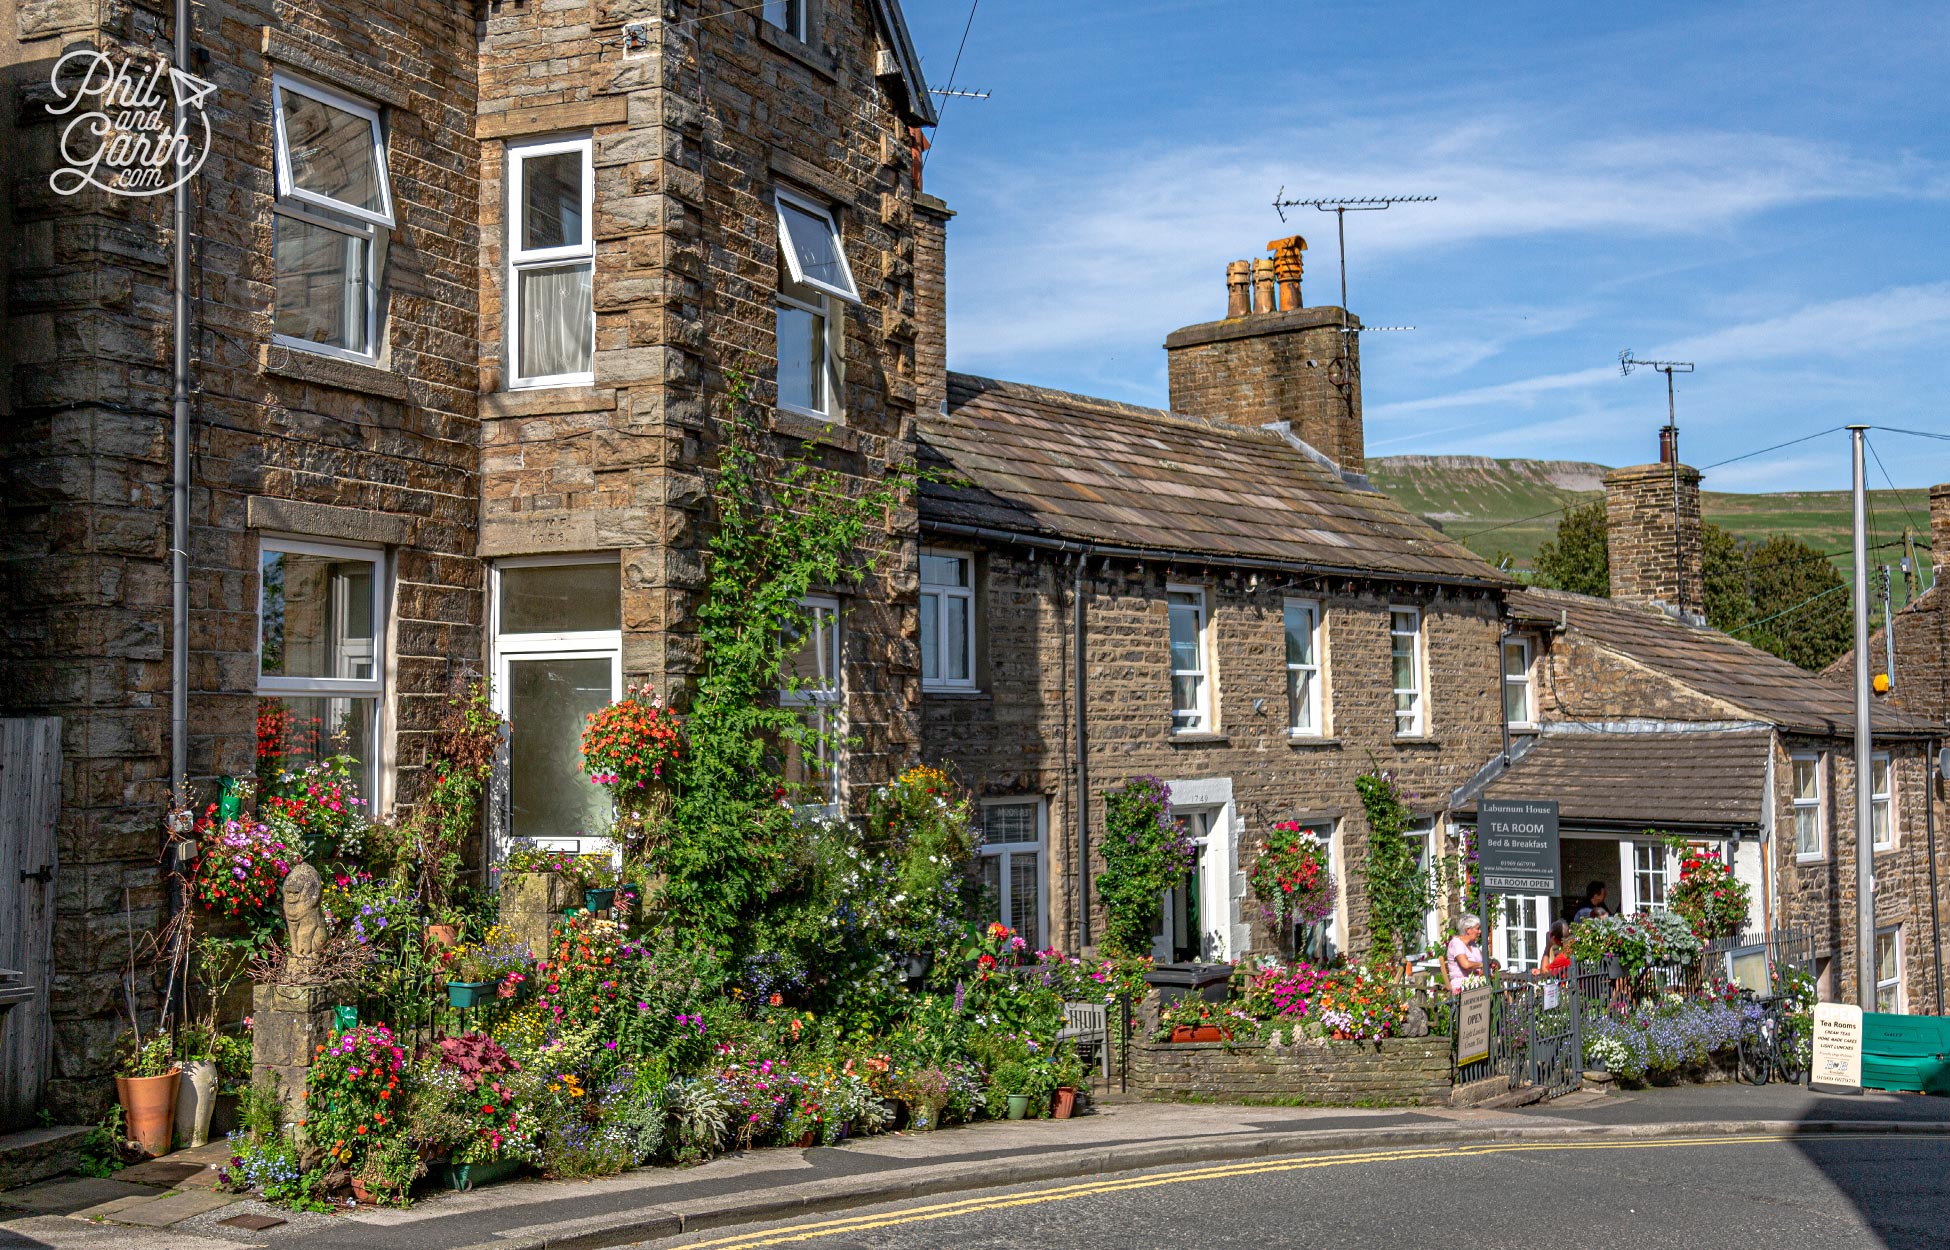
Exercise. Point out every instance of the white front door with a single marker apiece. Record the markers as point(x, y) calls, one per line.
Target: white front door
point(1194, 924)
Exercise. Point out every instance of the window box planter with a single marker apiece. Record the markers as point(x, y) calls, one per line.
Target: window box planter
point(461, 1177)
point(598, 900)
point(467, 994)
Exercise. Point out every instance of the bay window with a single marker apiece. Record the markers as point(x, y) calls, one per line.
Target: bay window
point(551, 263)
point(334, 203)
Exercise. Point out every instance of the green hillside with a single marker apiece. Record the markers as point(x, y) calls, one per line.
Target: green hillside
point(1494, 505)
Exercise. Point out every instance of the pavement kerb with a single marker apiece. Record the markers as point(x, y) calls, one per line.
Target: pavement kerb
point(618, 1228)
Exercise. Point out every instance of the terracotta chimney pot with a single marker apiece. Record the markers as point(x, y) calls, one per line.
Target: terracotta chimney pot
point(1289, 262)
point(1239, 288)
point(1264, 299)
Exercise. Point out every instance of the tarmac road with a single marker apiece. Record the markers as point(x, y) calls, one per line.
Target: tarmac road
point(1768, 1192)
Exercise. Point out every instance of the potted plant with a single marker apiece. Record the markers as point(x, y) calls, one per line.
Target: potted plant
point(466, 1113)
point(1010, 1078)
point(146, 1078)
point(470, 978)
point(599, 881)
point(1068, 1074)
point(926, 1091)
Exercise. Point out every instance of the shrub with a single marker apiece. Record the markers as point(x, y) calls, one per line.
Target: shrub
point(1146, 852)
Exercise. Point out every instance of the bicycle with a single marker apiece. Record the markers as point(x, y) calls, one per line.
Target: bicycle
point(1772, 1048)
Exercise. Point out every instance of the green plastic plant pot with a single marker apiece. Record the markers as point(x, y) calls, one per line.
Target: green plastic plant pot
point(344, 1018)
point(598, 900)
point(466, 994)
point(1018, 1106)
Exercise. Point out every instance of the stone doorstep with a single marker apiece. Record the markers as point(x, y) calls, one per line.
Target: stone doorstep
point(36, 1154)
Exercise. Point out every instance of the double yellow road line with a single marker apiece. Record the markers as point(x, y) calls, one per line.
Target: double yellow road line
point(1259, 1167)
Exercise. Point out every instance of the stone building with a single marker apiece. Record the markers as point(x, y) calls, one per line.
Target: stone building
point(1641, 722)
point(1110, 592)
point(470, 293)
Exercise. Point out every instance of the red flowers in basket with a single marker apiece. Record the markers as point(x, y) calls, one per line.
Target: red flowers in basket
point(630, 743)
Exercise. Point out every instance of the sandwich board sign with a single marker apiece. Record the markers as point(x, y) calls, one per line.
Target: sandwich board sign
point(1473, 1025)
point(1837, 1065)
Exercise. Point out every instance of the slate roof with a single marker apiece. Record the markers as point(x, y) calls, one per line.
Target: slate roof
point(1751, 683)
point(1024, 460)
point(1643, 780)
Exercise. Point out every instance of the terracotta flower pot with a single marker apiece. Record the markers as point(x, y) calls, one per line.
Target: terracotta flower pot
point(364, 1196)
point(443, 936)
point(149, 1108)
point(1207, 1033)
point(1181, 1033)
point(1066, 1102)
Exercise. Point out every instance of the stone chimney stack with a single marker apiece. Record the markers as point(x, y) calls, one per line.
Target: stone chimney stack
point(1655, 533)
point(1940, 531)
point(1273, 359)
point(930, 304)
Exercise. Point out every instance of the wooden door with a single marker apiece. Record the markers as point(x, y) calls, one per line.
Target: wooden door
point(30, 799)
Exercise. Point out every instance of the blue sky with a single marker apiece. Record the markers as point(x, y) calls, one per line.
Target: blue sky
point(1760, 188)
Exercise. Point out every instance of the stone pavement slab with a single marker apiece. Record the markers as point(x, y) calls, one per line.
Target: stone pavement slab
point(64, 1197)
point(171, 1208)
point(56, 1232)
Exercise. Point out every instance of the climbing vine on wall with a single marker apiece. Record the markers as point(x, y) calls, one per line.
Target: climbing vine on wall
point(1397, 887)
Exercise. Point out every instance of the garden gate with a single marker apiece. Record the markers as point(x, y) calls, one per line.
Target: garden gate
point(1536, 1037)
point(30, 801)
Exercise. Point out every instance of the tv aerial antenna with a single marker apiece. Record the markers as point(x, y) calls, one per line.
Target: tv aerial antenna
point(958, 93)
point(1341, 207)
point(1669, 449)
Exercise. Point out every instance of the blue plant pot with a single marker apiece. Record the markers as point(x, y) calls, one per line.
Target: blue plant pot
point(467, 994)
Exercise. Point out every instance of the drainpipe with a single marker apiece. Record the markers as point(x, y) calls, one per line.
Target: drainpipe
point(1929, 850)
point(1080, 693)
point(179, 524)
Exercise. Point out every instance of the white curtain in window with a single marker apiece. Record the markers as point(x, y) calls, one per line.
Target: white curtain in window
point(556, 316)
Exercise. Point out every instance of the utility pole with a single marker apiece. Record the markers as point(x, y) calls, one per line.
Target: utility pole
point(1865, 903)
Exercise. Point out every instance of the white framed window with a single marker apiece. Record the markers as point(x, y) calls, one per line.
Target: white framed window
point(320, 658)
point(1191, 687)
point(1882, 811)
point(1012, 860)
point(1889, 970)
point(330, 151)
point(814, 681)
point(334, 199)
point(551, 263)
point(809, 241)
point(1303, 714)
point(813, 273)
point(1405, 658)
point(557, 626)
point(1650, 870)
point(1518, 710)
point(788, 15)
point(1809, 798)
point(947, 620)
point(1523, 920)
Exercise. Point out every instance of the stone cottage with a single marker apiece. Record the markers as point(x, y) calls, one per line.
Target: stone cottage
point(1201, 595)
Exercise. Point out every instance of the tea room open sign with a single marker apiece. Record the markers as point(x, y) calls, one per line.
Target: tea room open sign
point(1517, 846)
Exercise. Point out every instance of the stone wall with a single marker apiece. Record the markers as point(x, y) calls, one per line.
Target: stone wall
point(1649, 563)
point(1014, 735)
point(302, 444)
point(1401, 1071)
